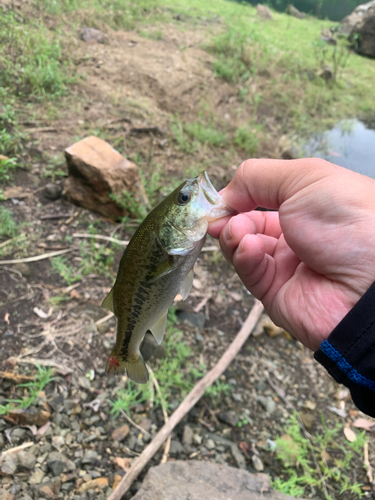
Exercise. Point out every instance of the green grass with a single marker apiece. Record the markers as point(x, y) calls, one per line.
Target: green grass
point(31, 390)
point(8, 226)
point(334, 455)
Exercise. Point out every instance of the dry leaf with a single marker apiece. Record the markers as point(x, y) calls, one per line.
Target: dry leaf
point(363, 423)
point(74, 294)
point(124, 463)
point(16, 192)
point(325, 455)
point(244, 448)
point(349, 434)
point(339, 411)
point(42, 430)
point(6, 318)
point(343, 393)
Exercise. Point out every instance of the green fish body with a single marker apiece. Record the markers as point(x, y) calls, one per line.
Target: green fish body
point(156, 266)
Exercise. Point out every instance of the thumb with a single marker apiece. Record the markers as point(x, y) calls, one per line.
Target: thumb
point(268, 183)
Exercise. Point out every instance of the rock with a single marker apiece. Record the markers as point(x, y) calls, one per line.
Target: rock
point(327, 36)
point(92, 35)
point(204, 481)
point(362, 34)
point(327, 74)
point(2, 442)
point(196, 319)
point(46, 492)
point(52, 192)
point(97, 173)
point(5, 495)
point(24, 269)
point(90, 457)
point(220, 441)
point(355, 18)
point(9, 465)
point(59, 463)
point(176, 448)
point(150, 348)
point(292, 11)
point(37, 477)
point(264, 12)
point(187, 436)
point(257, 463)
point(228, 417)
point(238, 456)
point(18, 435)
point(210, 444)
point(100, 482)
point(268, 403)
point(30, 416)
point(26, 460)
point(120, 433)
point(307, 419)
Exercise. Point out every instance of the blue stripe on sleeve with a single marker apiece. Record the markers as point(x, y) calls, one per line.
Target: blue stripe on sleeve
point(345, 367)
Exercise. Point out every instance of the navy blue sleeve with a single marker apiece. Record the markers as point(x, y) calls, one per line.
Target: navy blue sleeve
point(349, 352)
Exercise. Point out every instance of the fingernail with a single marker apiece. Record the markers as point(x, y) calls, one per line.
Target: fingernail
point(241, 246)
point(228, 230)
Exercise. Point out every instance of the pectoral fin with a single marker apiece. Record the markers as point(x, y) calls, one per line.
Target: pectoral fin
point(187, 284)
point(108, 302)
point(165, 267)
point(158, 328)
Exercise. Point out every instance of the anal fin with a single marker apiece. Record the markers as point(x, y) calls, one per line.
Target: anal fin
point(158, 328)
point(108, 302)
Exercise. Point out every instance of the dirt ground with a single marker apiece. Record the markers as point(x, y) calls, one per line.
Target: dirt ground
point(135, 82)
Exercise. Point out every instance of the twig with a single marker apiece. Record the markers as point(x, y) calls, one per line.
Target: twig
point(305, 433)
point(55, 216)
point(103, 320)
point(165, 414)
point(366, 463)
point(16, 449)
point(46, 129)
point(188, 403)
point(100, 237)
point(133, 423)
point(16, 378)
point(36, 258)
point(64, 370)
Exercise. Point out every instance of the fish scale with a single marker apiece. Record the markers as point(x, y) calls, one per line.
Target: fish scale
point(157, 265)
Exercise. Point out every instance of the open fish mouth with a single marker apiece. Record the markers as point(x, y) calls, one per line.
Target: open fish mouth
point(211, 200)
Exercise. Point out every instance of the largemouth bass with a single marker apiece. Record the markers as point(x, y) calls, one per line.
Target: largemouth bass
point(157, 265)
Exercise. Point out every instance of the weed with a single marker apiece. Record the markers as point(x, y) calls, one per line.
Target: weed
point(129, 202)
point(66, 270)
point(217, 390)
point(184, 142)
point(296, 453)
point(8, 226)
point(152, 35)
point(246, 139)
point(42, 379)
point(11, 137)
point(7, 165)
point(131, 396)
point(206, 133)
point(332, 55)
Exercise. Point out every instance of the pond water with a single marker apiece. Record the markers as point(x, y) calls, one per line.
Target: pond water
point(350, 144)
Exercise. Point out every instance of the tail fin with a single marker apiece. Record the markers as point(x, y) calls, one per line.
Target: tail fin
point(136, 370)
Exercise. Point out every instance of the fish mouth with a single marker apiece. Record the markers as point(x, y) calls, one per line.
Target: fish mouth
point(211, 199)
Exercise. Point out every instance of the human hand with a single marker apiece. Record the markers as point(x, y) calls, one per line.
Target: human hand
point(310, 262)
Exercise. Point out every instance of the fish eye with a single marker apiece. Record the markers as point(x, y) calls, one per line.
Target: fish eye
point(183, 197)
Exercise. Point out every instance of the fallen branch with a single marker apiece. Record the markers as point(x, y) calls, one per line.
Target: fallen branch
point(16, 378)
point(55, 216)
point(133, 423)
point(188, 403)
point(36, 258)
point(17, 449)
point(62, 369)
point(100, 237)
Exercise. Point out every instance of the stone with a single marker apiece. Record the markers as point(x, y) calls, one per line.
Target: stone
point(257, 463)
point(327, 74)
point(37, 477)
point(228, 417)
point(59, 463)
point(264, 12)
point(198, 480)
point(292, 11)
point(362, 35)
point(9, 465)
point(26, 460)
point(195, 319)
point(268, 403)
point(5, 495)
point(187, 435)
point(90, 457)
point(100, 482)
point(30, 416)
point(307, 419)
point(238, 456)
point(355, 18)
point(210, 444)
point(97, 174)
point(176, 448)
point(46, 492)
point(2, 442)
point(151, 349)
point(120, 433)
point(92, 35)
point(25, 269)
point(52, 192)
